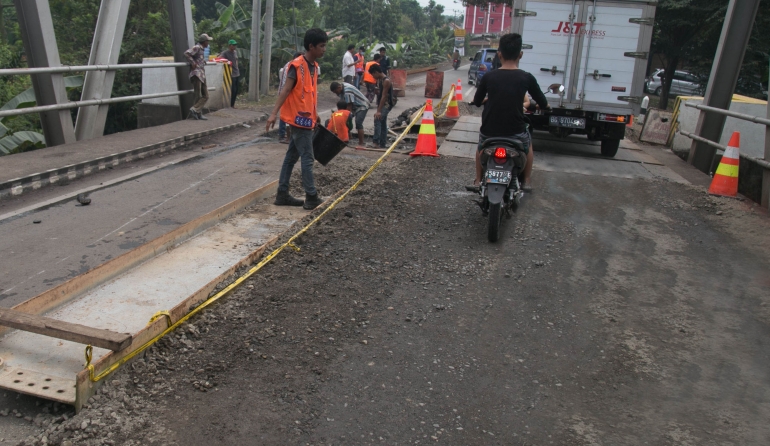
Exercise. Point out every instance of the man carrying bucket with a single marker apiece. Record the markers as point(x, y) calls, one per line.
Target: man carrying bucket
point(298, 103)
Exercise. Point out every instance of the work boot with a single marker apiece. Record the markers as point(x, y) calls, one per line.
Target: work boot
point(201, 117)
point(285, 199)
point(194, 114)
point(311, 201)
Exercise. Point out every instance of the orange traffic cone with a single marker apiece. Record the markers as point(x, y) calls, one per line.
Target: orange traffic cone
point(459, 90)
point(630, 121)
point(725, 180)
point(452, 110)
point(426, 140)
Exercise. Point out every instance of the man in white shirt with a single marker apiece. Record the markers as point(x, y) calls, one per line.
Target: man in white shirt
point(349, 65)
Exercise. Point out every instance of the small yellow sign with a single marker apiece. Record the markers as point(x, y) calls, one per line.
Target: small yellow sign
point(459, 33)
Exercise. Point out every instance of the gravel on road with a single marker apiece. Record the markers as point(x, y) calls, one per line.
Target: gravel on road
point(613, 311)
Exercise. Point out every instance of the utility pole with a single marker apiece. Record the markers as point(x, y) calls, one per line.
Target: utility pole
point(267, 51)
point(724, 75)
point(294, 17)
point(371, 23)
point(256, 14)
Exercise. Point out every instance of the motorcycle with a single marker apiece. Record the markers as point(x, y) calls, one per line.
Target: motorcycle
point(456, 64)
point(502, 161)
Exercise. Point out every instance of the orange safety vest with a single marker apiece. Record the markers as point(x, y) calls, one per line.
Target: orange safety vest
point(299, 110)
point(338, 124)
point(360, 63)
point(367, 76)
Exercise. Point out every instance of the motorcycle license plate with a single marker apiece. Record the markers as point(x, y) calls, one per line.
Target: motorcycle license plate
point(566, 121)
point(499, 176)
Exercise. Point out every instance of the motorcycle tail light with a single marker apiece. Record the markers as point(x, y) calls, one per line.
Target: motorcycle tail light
point(501, 154)
point(482, 67)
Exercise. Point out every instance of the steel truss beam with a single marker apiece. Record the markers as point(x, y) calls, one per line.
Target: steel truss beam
point(37, 31)
point(180, 18)
point(105, 50)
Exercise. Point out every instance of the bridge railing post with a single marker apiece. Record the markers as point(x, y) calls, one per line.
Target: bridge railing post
point(39, 39)
point(182, 38)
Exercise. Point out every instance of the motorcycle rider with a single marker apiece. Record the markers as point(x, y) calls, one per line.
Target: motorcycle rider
point(502, 92)
point(456, 59)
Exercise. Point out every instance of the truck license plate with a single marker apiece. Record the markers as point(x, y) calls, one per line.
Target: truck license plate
point(566, 121)
point(499, 176)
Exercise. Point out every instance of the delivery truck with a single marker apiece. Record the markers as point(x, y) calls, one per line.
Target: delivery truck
point(597, 51)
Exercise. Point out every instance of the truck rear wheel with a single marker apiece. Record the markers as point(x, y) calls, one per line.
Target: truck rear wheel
point(610, 147)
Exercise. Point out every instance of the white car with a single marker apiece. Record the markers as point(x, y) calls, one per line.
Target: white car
point(683, 84)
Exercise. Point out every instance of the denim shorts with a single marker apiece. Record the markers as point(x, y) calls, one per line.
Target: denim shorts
point(360, 115)
point(524, 137)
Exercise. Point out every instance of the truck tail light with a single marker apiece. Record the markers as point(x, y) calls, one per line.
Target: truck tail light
point(610, 118)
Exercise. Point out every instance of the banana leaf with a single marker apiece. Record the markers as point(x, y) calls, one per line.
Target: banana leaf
point(27, 99)
point(12, 143)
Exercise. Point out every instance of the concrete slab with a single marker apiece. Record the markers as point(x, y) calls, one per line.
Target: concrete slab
point(127, 303)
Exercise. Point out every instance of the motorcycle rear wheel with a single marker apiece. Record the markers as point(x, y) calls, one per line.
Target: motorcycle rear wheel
point(495, 219)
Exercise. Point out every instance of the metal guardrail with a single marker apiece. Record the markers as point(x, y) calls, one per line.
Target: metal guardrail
point(719, 111)
point(76, 104)
point(82, 68)
point(759, 161)
point(90, 102)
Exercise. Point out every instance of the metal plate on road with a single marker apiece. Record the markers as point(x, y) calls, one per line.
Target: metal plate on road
point(566, 121)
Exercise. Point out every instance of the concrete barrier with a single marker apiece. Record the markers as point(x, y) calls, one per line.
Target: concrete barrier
point(158, 111)
point(752, 135)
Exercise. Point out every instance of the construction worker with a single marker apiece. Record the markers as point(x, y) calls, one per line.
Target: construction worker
point(369, 80)
point(298, 105)
point(341, 121)
point(360, 61)
point(198, 75)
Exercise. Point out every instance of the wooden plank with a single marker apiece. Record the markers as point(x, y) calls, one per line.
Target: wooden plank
point(64, 330)
point(30, 382)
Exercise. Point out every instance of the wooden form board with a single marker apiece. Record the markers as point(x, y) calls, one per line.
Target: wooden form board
point(64, 330)
point(77, 389)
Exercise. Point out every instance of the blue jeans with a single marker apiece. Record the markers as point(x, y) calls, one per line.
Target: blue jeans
point(381, 128)
point(300, 146)
point(281, 129)
point(357, 80)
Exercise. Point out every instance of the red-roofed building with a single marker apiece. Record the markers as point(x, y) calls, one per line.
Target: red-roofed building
point(493, 18)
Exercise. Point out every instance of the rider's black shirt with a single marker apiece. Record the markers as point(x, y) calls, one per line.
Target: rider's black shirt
point(504, 111)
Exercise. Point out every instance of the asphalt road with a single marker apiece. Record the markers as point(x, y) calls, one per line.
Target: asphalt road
point(621, 306)
point(615, 310)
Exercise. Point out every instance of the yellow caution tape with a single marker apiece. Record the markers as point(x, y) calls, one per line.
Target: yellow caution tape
point(225, 291)
point(449, 94)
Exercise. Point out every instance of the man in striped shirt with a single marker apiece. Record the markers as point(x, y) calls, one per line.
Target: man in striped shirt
point(352, 95)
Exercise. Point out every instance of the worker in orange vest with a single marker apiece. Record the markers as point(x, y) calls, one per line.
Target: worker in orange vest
point(297, 104)
point(359, 67)
point(341, 121)
point(369, 80)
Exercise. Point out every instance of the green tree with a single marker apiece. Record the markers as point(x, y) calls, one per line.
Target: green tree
point(680, 27)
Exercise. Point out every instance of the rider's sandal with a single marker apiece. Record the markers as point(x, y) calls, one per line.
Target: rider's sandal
point(526, 187)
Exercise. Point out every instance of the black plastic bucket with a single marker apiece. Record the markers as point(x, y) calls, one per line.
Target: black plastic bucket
point(326, 145)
